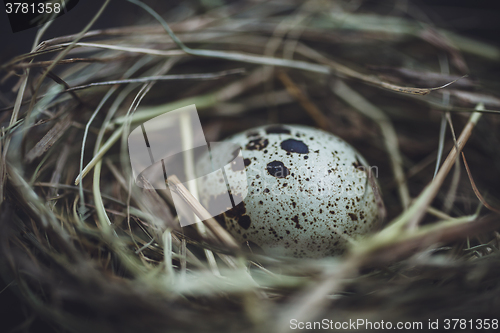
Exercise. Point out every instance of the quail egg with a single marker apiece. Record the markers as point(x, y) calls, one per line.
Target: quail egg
point(307, 192)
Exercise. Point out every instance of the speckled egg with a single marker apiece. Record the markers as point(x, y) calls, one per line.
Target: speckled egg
point(307, 192)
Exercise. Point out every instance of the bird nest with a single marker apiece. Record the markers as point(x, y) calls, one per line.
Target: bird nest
point(89, 251)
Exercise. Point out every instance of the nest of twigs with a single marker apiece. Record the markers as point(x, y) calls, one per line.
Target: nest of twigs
point(89, 251)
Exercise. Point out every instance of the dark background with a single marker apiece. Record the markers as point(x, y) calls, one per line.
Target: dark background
point(477, 19)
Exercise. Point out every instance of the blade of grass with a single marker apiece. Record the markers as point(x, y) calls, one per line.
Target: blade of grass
point(15, 114)
point(337, 68)
point(111, 91)
point(452, 192)
point(369, 110)
point(167, 256)
point(202, 102)
point(50, 138)
point(476, 190)
point(319, 118)
point(63, 54)
point(232, 56)
point(412, 216)
point(442, 133)
point(343, 71)
point(201, 76)
point(187, 143)
point(222, 235)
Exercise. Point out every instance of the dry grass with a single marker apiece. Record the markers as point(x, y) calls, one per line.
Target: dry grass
point(90, 251)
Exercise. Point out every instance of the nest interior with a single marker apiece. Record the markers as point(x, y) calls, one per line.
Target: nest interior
point(84, 249)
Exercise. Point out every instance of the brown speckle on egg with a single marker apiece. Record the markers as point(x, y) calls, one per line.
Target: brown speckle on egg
point(294, 146)
point(257, 144)
point(277, 169)
point(244, 221)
